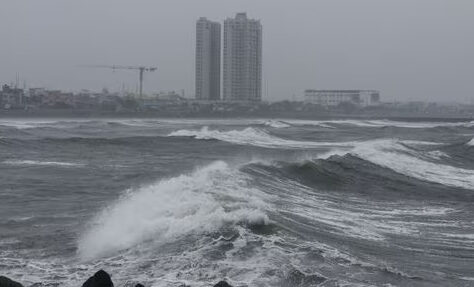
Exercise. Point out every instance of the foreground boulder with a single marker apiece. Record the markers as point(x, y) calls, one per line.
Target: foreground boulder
point(99, 279)
point(7, 282)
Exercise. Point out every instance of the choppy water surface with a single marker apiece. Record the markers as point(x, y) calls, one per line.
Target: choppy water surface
point(256, 202)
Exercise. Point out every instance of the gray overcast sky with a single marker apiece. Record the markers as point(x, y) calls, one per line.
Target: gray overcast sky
point(408, 49)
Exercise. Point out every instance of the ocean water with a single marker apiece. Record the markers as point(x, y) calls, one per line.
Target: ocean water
point(168, 202)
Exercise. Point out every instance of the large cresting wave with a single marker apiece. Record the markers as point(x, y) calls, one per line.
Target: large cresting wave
point(202, 201)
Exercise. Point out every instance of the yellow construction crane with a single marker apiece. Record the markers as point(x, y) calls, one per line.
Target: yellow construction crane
point(140, 69)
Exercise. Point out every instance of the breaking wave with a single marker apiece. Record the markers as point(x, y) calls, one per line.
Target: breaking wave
point(399, 157)
point(253, 136)
point(41, 163)
point(276, 124)
point(381, 123)
point(200, 202)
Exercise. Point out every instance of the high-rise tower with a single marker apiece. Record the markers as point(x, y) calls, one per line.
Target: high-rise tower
point(242, 77)
point(208, 59)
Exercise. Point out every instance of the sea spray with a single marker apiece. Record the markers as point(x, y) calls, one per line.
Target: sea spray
point(202, 201)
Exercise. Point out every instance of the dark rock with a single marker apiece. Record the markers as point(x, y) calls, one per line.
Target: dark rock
point(139, 285)
point(222, 284)
point(100, 279)
point(7, 282)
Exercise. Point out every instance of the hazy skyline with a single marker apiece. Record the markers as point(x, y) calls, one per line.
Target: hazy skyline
point(409, 50)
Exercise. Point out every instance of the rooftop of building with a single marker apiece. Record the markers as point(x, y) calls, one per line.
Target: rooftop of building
point(339, 91)
point(241, 16)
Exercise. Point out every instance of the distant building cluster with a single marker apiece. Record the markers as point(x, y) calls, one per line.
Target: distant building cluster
point(328, 98)
point(162, 99)
point(13, 98)
point(323, 103)
point(228, 77)
point(242, 60)
point(36, 98)
point(17, 98)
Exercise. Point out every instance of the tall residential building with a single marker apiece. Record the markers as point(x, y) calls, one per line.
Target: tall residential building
point(208, 59)
point(242, 59)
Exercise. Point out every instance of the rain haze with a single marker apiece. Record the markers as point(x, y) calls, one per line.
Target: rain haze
point(409, 50)
point(222, 143)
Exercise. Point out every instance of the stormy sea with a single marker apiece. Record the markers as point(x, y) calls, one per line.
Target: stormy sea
point(189, 202)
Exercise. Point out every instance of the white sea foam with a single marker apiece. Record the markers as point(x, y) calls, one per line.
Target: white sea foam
point(41, 163)
point(34, 123)
point(352, 216)
point(419, 143)
point(24, 124)
point(414, 125)
point(390, 153)
point(413, 211)
point(471, 142)
point(437, 154)
point(382, 123)
point(255, 137)
point(276, 124)
point(322, 124)
point(331, 123)
point(393, 155)
point(202, 201)
point(460, 236)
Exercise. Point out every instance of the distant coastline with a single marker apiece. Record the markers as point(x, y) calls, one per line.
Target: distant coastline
point(76, 113)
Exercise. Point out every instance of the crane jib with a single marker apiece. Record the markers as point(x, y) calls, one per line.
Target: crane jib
point(141, 70)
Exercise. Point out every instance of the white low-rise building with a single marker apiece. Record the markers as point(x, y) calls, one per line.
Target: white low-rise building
point(362, 98)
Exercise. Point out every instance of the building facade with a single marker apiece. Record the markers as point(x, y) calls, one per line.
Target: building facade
point(208, 60)
point(242, 57)
point(363, 98)
point(11, 97)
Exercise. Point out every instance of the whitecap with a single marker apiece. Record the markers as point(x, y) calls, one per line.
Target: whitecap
point(254, 137)
point(41, 163)
point(382, 123)
point(276, 124)
point(202, 201)
point(393, 155)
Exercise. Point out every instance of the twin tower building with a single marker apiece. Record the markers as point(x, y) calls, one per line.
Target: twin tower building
point(241, 57)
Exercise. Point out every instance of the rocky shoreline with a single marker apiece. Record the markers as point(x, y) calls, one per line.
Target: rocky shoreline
point(99, 279)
